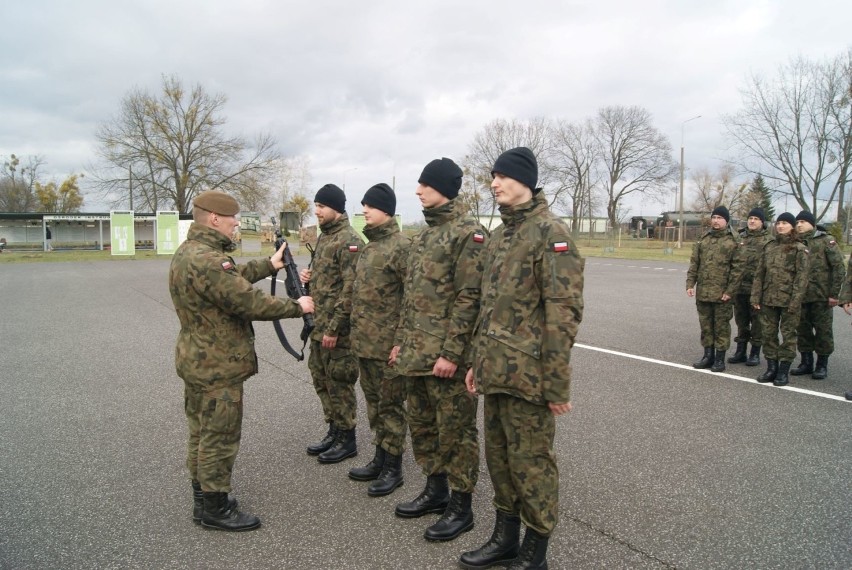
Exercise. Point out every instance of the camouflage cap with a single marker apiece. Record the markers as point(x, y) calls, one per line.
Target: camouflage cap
point(217, 202)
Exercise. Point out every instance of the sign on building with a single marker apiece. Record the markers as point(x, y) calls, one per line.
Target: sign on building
point(122, 234)
point(168, 236)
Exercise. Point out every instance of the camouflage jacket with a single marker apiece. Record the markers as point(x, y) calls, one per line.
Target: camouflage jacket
point(782, 274)
point(846, 290)
point(216, 303)
point(332, 278)
point(750, 250)
point(825, 275)
point(715, 267)
point(377, 294)
point(441, 297)
point(531, 307)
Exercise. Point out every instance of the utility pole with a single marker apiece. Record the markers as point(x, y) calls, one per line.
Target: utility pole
point(680, 229)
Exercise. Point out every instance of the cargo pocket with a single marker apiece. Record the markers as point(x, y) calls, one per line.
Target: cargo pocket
point(343, 366)
point(223, 412)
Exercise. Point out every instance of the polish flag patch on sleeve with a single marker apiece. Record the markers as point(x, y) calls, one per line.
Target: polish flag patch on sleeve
point(478, 237)
point(227, 265)
point(560, 246)
point(353, 248)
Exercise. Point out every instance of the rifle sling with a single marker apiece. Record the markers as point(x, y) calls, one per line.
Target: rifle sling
point(276, 324)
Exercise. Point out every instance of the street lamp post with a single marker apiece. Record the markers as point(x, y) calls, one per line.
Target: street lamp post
point(680, 228)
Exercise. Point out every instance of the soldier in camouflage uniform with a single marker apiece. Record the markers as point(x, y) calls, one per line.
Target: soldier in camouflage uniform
point(715, 267)
point(825, 277)
point(377, 296)
point(779, 285)
point(216, 304)
point(845, 299)
point(333, 366)
point(752, 239)
point(531, 308)
point(439, 307)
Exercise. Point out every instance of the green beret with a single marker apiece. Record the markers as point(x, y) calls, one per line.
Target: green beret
point(217, 202)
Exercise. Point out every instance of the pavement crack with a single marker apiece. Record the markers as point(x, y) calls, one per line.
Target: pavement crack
point(624, 542)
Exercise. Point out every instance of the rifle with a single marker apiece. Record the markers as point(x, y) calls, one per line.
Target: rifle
point(295, 289)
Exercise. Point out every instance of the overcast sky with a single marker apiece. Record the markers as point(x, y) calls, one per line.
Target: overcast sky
point(373, 89)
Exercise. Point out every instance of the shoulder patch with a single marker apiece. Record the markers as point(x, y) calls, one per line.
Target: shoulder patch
point(227, 265)
point(559, 246)
point(478, 237)
point(832, 243)
point(354, 248)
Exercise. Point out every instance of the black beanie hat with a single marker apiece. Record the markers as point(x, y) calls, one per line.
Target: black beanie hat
point(786, 217)
point(331, 196)
point(722, 211)
point(443, 175)
point(382, 198)
point(806, 216)
point(757, 213)
point(518, 163)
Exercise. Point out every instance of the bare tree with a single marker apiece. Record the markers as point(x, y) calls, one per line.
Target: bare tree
point(636, 157)
point(574, 162)
point(796, 129)
point(18, 183)
point(720, 188)
point(294, 180)
point(166, 149)
point(489, 143)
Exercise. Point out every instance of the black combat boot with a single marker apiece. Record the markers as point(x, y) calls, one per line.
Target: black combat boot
point(502, 547)
point(389, 479)
point(718, 362)
point(219, 514)
point(771, 371)
point(707, 360)
point(433, 499)
point(458, 518)
point(783, 376)
point(372, 469)
point(198, 502)
point(754, 357)
point(821, 368)
point(325, 442)
point(533, 555)
point(806, 365)
point(740, 354)
point(344, 446)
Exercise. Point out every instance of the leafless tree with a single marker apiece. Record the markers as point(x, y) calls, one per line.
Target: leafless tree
point(796, 130)
point(18, 184)
point(574, 163)
point(163, 150)
point(720, 188)
point(294, 182)
point(635, 156)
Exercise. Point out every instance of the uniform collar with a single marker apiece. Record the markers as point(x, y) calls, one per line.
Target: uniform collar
point(441, 214)
point(384, 230)
point(210, 237)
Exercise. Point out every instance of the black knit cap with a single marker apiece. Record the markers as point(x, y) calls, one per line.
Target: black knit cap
point(786, 217)
point(806, 216)
point(722, 211)
point(757, 213)
point(331, 196)
point(443, 175)
point(518, 163)
point(381, 197)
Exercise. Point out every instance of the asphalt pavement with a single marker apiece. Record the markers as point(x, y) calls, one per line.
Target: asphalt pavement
point(661, 466)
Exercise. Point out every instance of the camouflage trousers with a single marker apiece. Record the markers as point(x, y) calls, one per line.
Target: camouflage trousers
point(519, 452)
point(748, 325)
point(335, 372)
point(442, 420)
point(384, 391)
point(214, 415)
point(816, 328)
point(715, 322)
point(775, 319)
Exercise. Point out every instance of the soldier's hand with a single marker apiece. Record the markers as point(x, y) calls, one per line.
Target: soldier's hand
point(725, 297)
point(832, 302)
point(444, 368)
point(305, 275)
point(306, 303)
point(393, 354)
point(690, 292)
point(329, 341)
point(469, 382)
point(559, 409)
point(756, 307)
point(848, 308)
point(277, 258)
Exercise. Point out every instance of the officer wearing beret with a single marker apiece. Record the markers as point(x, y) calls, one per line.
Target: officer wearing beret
point(216, 304)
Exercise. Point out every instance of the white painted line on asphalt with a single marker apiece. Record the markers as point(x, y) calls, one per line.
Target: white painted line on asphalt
point(722, 374)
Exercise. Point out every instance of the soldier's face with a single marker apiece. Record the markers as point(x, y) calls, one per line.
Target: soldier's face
point(802, 226)
point(325, 213)
point(717, 222)
point(754, 223)
point(508, 191)
point(429, 197)
point(226, 225)
point(373, 216)
point(783, 228)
